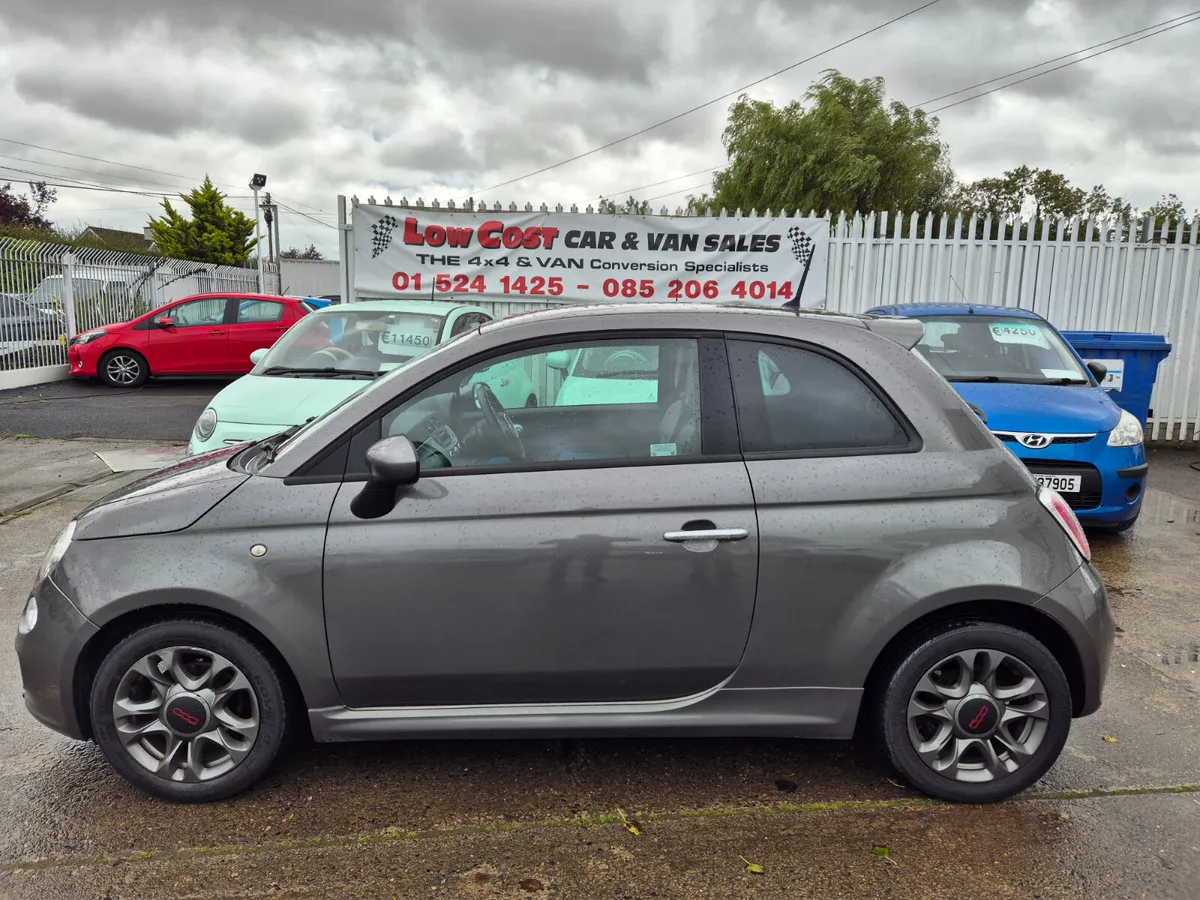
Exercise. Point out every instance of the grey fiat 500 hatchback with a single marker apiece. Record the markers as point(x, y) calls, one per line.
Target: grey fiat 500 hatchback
point(753, 522)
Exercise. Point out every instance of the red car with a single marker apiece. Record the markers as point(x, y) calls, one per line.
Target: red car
point(208, 334)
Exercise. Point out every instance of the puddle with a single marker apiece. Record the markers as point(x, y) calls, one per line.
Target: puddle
point(1168, 509)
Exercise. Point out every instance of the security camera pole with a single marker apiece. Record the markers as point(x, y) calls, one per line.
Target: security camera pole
point(257, 183)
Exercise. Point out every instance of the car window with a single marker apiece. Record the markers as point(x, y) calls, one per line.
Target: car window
point(250, 311)
point(979, 348)
point(465, 323)
point(792, 400)
point(451, 430)
point(196, 313)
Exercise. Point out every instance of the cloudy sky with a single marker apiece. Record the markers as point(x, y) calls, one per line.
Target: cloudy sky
point(445, 98)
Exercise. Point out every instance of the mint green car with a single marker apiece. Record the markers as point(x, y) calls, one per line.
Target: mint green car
point(603, 375)
point(335, 352)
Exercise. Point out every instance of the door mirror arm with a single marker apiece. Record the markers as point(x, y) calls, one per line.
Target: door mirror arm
point(393, 464)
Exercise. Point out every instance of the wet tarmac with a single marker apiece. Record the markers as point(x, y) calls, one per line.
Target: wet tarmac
point(1117, 817)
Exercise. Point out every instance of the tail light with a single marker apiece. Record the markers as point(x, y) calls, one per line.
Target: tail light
point(1065, 516)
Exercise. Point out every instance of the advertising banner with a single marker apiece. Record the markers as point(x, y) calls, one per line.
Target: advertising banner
point(581, 258)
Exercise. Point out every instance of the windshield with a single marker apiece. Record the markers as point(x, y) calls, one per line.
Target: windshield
point(255, 459)
point(48, 294)
point(978, 348)
point(353, 342)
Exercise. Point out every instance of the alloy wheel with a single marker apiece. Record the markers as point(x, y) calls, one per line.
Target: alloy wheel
point(186, 714)
point(978, 715)
point(123, 369)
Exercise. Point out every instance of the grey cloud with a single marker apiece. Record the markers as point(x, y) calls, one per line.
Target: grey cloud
point(436, 149)
point(588, 39)
point(157, 108)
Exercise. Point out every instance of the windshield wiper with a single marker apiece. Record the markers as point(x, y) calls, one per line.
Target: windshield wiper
point(274, 443)
point(1057, 381)
point(326, 370)
point(979, 378)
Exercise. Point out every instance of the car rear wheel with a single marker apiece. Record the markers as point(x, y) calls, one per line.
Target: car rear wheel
point(975, 713)
point(123, 369)
point(188, 710)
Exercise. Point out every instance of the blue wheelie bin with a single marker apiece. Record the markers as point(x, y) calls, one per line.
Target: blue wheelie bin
point(1132, 360)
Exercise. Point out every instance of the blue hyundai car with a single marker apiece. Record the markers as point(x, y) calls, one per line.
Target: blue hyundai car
point(1037, 395)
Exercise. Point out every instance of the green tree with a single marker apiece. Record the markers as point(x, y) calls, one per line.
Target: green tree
point(21, 215)
point(1037, 192)
point(1167, 214)
point(215, 233)
point(845, 148)
point(309, 252)
point(629, 207)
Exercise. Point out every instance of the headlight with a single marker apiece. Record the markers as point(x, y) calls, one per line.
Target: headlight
point(28, 616)
point(56, 551)
point(206, 424)
point(1128, 432)
point(80, 339)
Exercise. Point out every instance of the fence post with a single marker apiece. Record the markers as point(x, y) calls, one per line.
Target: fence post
point(345, 252)
point(68, 294)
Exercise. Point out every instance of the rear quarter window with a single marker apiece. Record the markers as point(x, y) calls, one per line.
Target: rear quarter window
point(793, 400)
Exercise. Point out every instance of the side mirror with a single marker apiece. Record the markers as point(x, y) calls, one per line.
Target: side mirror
point(979, 412)
point(393, 463)
point(258, 355)
point(559, 359)
point(1098, 370)
point(164, 322)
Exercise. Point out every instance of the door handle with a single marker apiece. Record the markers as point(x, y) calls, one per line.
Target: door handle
point(218, 331)
point(708, 534)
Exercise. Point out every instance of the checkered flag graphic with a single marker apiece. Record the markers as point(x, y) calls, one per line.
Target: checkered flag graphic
point(381, 233)
point(802, 246)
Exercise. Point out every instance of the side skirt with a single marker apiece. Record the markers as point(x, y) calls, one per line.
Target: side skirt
point(777, 712)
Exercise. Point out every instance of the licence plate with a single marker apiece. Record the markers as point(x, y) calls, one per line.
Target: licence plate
point(1064, 484)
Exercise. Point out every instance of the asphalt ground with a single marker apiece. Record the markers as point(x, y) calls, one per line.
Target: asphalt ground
point(1117, 817)
point(160, 410)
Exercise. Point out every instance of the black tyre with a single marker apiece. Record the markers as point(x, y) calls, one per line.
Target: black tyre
point(123, 368)
point(189, 710)
point(975, 712)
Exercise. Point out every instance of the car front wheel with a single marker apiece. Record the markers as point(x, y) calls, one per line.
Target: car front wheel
point(188, 710)
point(123, 369)
point(975, 713)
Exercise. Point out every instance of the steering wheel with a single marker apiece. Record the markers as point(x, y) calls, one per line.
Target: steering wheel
point(498, 421)
point(334, 354)
point(620, 361)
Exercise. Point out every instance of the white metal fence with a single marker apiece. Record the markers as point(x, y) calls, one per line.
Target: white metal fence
point(50, 292)
point(1099, 274)
point(1082, 275)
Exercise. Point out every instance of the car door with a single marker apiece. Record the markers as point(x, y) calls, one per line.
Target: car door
point(616, 562)
point(256, 325)
point(837, 480)
point(196, 342)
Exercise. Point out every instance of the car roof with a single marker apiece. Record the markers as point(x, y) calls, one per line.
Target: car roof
point(236, 295)
point(426, 307)
point(952, 309)
point(649, 310)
